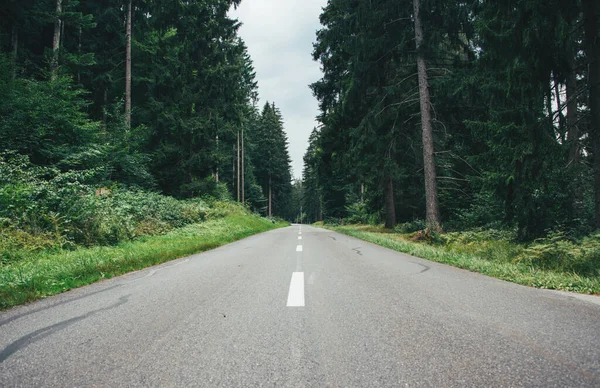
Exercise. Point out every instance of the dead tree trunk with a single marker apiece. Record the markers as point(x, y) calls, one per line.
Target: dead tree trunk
point(56, 40)
point(431, 196)
point(592, 40)
point(390, 204)
point(128, 68)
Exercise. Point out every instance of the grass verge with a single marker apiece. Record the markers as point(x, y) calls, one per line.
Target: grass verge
point(46, 274)
point(498, 259)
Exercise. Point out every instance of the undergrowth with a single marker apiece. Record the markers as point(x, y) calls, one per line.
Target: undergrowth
point(555, 262)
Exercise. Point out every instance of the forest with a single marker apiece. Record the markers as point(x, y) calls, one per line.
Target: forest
point(458, 115)
point(469, 126)
point(125, 118)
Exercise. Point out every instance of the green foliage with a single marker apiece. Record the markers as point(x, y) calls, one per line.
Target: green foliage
point(491, 244)
point(484, 211)
point(311, 194)
point(193, 88)
point(359, 213)
point(558, 252)
point(272, 161)
point(45, 120)
point(411, 226)
point(42, 207)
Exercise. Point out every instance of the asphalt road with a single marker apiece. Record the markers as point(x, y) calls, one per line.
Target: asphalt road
point(325, 310)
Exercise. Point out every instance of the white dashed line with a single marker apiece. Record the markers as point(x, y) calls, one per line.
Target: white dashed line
point(296, 292)
point(299, 248)
point(299, 237)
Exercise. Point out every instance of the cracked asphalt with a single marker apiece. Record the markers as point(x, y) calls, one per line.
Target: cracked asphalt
point(371, 317)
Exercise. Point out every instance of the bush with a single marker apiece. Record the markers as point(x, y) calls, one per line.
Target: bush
point(484, 211)
point(410, 227)
point(358, 213)
point(491, 244)
point(43, 208)
point(559, 253)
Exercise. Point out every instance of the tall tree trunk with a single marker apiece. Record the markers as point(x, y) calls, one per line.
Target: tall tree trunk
point(561, 117)
point(15, 49)
point(573, 128)
point(233, 171)
point(362, 192)
point(104, 106)
point(243, 166)
point(270, 198)
point(217, 169)
point(590, 14)
point(390, 203)
point(56, 40)
point(431, 196)
point(549, 107)
point(238, 166)
point(128, 68)
point(571, 119)
point(80, 33)
point(61, 43)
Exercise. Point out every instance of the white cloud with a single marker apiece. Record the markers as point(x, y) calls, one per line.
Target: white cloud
point(279, 35)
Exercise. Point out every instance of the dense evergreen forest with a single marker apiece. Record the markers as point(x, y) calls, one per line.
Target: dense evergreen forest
point(458, 115)
point(130, 99)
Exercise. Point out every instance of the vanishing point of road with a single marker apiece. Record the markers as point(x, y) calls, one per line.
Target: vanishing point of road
point(303, 307)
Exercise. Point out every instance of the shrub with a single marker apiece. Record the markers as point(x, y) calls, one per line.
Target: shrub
point(43, 208)
point(559, 253)
point(358, 213)
point(410, 227)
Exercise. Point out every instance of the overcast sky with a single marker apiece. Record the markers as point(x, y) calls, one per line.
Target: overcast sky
point(279, 35)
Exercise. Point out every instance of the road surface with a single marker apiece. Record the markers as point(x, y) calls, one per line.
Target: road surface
point(302, 307)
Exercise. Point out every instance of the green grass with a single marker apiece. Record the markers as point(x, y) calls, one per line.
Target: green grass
point(45, 274)
point(493, 256)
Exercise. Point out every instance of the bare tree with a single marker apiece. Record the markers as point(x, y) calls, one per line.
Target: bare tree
point(431, 196)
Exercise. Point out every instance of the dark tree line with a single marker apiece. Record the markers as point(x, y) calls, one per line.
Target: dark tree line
point(155, 94)
point(465, 114)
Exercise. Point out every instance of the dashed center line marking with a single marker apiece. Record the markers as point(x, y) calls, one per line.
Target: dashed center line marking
point(299, 248)
point(296, 292)
point(299, 237)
